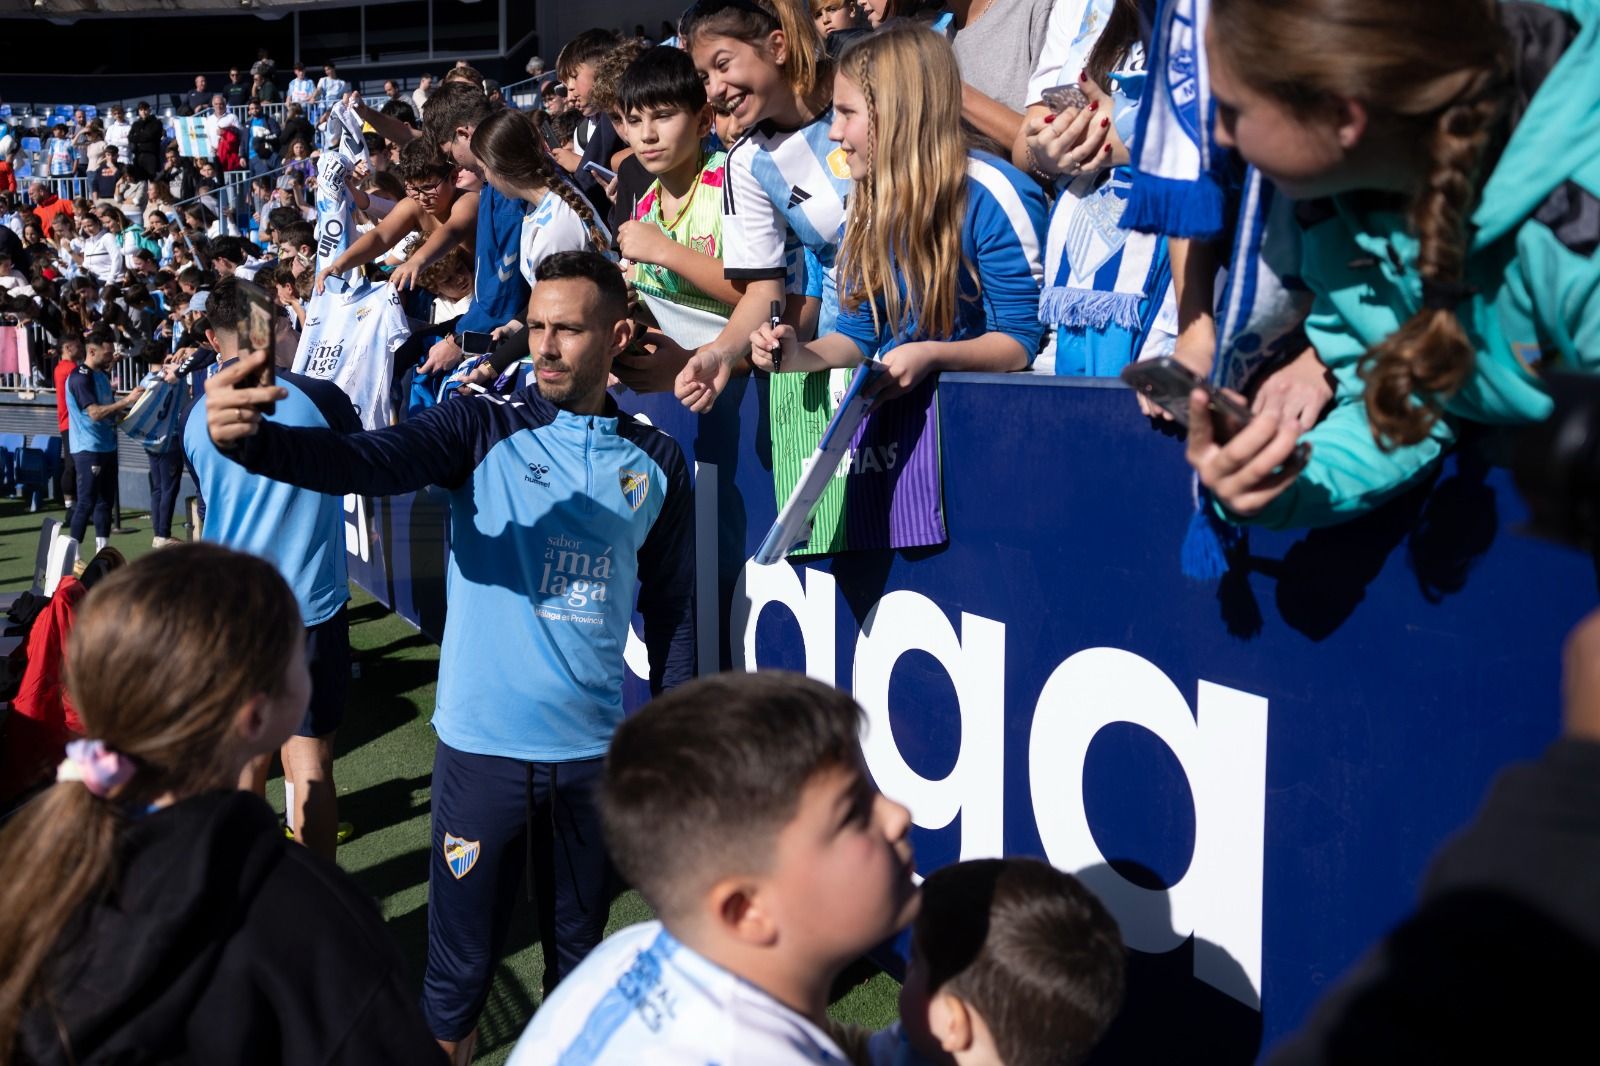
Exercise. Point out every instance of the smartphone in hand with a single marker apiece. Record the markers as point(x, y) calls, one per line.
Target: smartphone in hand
point(1167, 383)
point(476, 343)
point(257, 323)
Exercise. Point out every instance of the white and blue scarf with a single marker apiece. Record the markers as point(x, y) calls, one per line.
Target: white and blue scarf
point(1176, 191)
point(1100, 272)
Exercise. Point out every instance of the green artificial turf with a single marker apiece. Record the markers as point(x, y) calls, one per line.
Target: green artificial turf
point(384, 756)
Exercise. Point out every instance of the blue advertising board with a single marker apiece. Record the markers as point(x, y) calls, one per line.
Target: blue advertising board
point(1252, 774)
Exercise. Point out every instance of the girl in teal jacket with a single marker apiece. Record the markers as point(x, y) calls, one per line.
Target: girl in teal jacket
point(1445, 161)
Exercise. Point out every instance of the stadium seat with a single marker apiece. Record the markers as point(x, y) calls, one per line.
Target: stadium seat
point(5, 110)
point(49, 532)
point(90, 111)
point(63, 556)
point(10, 449)
point(52, 463)
point(33, 474)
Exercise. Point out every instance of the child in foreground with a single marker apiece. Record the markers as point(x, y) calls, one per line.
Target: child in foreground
point(1013, 963)
point(740, 807)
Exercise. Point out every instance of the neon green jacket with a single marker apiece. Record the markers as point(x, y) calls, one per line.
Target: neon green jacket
point(1532, 259)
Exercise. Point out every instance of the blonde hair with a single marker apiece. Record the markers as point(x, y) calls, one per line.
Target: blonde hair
point(906, 216)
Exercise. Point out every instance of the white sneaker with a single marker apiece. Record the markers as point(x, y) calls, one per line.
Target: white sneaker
point(67, 502)
point(162, 542)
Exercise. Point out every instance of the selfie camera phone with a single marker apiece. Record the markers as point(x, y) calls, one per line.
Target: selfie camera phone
point(475, 343)
point(1167, 383)
point(255, 328)
point(599, 171)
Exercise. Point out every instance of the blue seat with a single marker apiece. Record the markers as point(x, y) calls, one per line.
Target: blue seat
point(5, 110)
point(52, 457)
point(10, 451)
point(90, 111)
point(33, 473)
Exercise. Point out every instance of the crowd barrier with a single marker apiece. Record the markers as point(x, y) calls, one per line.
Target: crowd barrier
point(1252, 774)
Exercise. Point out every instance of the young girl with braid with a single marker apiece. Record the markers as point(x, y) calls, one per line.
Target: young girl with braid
point(1445, 160)
point(556, 218)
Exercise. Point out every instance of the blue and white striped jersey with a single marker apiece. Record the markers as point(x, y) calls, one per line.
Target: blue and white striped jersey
point(1002, 236)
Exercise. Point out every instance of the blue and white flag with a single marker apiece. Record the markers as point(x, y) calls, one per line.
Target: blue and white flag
point(1176, 191)
point(190, 131)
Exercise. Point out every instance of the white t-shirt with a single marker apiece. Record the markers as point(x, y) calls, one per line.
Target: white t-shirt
point(641, 997)
point(117, 136)
point(216, 123)
point(350, 339)
point(551, 226)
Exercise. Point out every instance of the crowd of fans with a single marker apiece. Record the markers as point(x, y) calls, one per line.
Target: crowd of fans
point(771, 188)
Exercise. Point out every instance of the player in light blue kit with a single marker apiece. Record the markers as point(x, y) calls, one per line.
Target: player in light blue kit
point(560, 506)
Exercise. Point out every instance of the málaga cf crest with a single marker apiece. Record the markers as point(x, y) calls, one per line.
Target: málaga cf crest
point(635, 487)
point(461, 855)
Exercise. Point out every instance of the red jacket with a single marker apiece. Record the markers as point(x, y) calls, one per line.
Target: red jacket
point(48, 208)
point(42, 718)
point(64, 369)
point(228, 149)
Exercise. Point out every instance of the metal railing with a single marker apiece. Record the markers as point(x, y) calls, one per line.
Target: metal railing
point(41, 365)
point(233, 193)
point(125, 373)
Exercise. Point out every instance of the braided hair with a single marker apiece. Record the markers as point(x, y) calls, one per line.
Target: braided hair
point(1436, 73)
point(508, 143)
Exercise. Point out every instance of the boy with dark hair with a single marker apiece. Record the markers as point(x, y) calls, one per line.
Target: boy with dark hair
point(740, 807)
point(594, 140)
point(675, 239)
point(93, 412)
point(1013, 963)
point(431, 202)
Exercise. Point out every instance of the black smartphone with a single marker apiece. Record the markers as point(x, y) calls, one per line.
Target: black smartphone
point(257, 322)
point(475, 343)
point(1167, 383)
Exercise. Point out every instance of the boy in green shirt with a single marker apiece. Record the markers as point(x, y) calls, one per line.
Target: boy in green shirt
point(674, 237)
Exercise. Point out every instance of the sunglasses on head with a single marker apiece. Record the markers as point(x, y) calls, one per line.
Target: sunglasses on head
point(705, 9)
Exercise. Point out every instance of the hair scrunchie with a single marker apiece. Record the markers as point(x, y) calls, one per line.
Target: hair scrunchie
point(1445, 295)
point(101, 769)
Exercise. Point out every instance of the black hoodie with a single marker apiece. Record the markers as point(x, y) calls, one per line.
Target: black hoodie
point(1499, 962)
point(222, 942)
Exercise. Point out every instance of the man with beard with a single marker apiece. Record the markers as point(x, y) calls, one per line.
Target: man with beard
point(559, 504)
